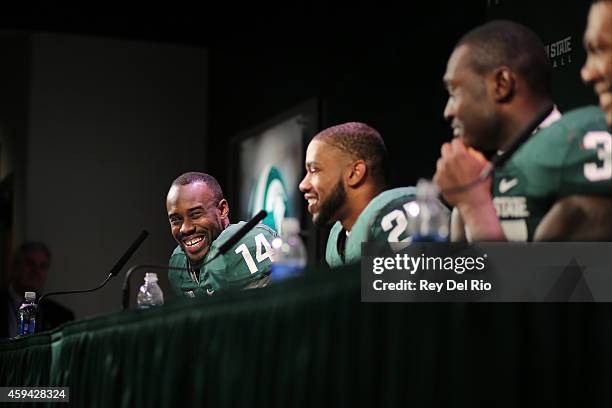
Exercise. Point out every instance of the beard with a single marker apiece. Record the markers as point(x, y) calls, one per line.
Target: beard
point(331, 206)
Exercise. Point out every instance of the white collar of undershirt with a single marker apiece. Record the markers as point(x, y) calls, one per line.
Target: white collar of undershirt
point(552, 117)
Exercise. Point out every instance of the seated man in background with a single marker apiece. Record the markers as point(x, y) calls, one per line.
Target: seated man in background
point(345, 185)
point(28, 272)
point(498, 79)
point(199, 222)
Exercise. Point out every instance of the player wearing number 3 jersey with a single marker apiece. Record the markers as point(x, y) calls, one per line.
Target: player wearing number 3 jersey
point(571, 156)
point(199, 223)
point(557, 186)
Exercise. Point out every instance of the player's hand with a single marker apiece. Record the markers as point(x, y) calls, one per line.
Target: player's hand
point(460, 166)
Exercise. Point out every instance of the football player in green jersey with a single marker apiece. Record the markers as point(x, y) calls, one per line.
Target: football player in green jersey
point(597, 69)
point(344, 185)
point(498, 79)
point(590, 211)
point(199, 222)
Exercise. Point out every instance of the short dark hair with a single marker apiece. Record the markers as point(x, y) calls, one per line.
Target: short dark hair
point(503, 42)
point(196, 177)
point(30, 246)
point(361, 141)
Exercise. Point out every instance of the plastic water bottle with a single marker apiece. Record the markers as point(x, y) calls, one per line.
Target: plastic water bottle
point(289, 252)
point(429, 219)
point(149, 294)
point(27, 314)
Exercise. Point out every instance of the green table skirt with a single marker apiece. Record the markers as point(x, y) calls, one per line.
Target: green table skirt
point(310, 342)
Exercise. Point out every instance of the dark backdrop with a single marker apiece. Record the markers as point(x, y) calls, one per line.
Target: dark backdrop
point(379, 66)
point(382, 66)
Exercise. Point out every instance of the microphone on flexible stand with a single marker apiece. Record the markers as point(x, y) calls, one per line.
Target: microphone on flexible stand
point(222, 249)
point(240, 233)
point(113, 272)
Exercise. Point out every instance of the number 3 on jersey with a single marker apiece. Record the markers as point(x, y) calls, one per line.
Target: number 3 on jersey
point(602, 141)
point(260, 243)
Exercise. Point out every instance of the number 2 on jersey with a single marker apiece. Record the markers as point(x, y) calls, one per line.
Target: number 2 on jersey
point(401, 224)
point(260, 243)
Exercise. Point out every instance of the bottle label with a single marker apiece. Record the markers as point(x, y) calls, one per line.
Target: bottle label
point(284, 271)
point(26, 326)
point(429, 238)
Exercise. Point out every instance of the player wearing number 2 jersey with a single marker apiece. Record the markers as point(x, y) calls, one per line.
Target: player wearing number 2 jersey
point(382, 220)
point(199, 223)
point(344, 186)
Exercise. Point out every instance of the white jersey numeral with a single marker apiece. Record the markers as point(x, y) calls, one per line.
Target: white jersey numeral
point(398, 218)
point(602, 141)
point(260, 241)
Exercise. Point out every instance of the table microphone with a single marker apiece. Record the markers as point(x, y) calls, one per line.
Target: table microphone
point(241, 232)
point(113, 272)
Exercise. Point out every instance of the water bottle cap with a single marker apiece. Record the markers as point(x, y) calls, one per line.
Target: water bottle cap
point(426, 189)
point(290, 226)
point(151, 277)
point(30, 296)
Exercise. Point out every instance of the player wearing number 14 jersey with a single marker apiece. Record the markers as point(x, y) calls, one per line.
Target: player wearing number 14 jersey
point(199, 223)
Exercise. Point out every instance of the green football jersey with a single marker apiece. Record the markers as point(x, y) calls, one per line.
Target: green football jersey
point(368, 227)
point(571, 156)
point(247, 261)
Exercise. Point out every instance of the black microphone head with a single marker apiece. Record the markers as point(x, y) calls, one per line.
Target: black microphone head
point(128, 254)
point(260, 215)
point(241, 232)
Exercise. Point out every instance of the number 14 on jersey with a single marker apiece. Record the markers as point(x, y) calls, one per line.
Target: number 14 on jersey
point(263, 250)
